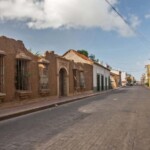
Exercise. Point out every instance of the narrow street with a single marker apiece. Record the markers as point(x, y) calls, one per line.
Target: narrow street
point(118, 120)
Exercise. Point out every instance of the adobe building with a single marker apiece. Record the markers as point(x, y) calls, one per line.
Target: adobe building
point(115, 77)
point(24, 75)
point(68, 77)
point(81, 72)
point(59, 74)
point(18, 70)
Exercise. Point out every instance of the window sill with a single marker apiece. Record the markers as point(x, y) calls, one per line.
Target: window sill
point(2, 94)
point(23, 94)
point(44, 92)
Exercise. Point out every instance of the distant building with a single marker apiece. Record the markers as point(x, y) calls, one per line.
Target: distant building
point(115, 77)
point(101, 77)
point(144, 79)
point(123, 78)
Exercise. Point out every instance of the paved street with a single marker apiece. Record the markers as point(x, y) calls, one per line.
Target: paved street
point(118, 120)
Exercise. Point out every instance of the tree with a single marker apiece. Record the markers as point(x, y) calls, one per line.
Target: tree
point(34, 52)
point(129, 80)
point(84, 52)
point(92, 57)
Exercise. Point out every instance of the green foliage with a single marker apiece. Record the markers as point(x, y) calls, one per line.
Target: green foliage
point(37, 53)
point(92, 57)
point(84, 52)
point(33, 52)
point(129, 80)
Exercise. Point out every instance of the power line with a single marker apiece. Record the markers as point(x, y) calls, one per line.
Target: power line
point(141, 36)
point(121, 16)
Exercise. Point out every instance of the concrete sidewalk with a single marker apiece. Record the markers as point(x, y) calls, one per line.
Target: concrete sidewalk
point(14, 109)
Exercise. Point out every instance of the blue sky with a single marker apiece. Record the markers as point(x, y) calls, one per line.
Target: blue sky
point(88, 24)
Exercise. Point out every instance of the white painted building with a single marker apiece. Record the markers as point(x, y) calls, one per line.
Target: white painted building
point(101, 77)
point(123, 78)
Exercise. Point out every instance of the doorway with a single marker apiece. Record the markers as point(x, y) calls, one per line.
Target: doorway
point(98, 82)
point(62, 82)
point(102, 82)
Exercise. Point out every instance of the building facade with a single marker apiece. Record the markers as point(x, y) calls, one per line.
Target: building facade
point(82, 72)
point(18, 67)
point(101, 77)
point(115, 77)
point(24, 75)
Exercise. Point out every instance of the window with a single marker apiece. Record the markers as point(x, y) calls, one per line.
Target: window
point(106, 83)
point(75, 78)
point(22, 74)
point(43, 73)
point(1, 73)
point(82, 80)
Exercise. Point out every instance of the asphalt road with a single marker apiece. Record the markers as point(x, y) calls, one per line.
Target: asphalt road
point(119, 120)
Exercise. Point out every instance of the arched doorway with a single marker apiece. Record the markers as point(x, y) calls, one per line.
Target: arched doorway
point(62, 82)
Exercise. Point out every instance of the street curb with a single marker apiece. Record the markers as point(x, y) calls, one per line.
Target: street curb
point(24, 112)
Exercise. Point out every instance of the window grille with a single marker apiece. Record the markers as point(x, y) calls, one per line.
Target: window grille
point(22, 75)
point(43, 73)
point(1, 73)
point(82, 79)
point(75, 78)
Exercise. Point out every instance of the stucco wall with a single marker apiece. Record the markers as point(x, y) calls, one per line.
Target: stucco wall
point(52, 72)
point(97, 69)
point(88, 76)
point(71, 55)
point(13, 47)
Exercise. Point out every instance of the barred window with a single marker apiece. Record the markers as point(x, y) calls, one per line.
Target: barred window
point(75, 78)
point(22, 74)
point(43, 73)
point(82, 79)
point(1, 73)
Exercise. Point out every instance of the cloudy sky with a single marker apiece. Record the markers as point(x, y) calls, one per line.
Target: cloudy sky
point(93, 25)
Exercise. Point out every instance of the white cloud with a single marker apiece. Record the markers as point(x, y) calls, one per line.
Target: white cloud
point(41, 14)
point(147, 16)
point(134, 21)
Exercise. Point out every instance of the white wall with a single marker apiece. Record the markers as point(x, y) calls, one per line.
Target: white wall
point(102, 71)
point(123, 78)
